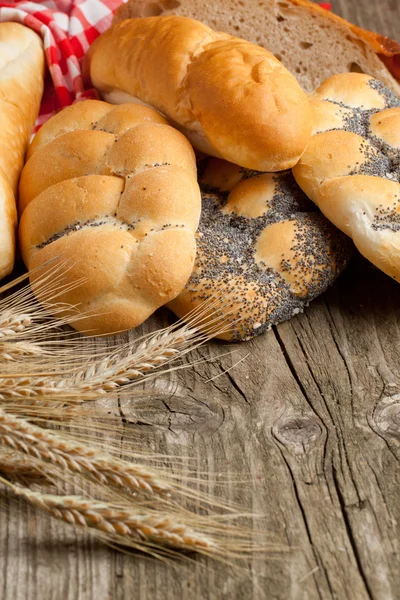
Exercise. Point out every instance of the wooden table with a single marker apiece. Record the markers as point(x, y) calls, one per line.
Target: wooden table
point(312, 417)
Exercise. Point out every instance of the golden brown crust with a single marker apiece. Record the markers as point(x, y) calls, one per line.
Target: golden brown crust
point(77, 117)
point(8, 224)
point(263, 251)
point(263, 123)
point(120, 209)
point(21, 87)
point(352, 173)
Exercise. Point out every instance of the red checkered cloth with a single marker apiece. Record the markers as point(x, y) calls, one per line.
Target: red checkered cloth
point(67, 28)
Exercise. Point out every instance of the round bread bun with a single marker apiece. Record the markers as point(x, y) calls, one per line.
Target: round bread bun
point(231, 98)
point(263, 251)
point(110, 193)
point(351, 168)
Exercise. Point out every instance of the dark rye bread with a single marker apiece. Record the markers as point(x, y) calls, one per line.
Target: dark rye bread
point(311, 42)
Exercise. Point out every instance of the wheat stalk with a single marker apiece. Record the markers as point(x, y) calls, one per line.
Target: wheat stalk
point(120, 524)
point(34, 441)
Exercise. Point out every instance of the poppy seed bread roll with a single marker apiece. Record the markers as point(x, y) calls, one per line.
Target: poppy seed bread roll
point(231, 98)
point(351, 168)
point(263, 251)
point(117, 202)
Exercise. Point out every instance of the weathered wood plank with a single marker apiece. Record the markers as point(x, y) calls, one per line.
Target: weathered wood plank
point(311, 418)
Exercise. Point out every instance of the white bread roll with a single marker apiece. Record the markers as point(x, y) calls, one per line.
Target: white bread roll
point(231, 98)
point(111, 192)
point(263, 251)
point(351, 168)
point(21, 88)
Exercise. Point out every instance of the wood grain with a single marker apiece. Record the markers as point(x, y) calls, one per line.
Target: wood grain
point(311, 417)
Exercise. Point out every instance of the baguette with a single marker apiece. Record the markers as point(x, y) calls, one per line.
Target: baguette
point(310, 41)
point(21, 88)
point(231, 98)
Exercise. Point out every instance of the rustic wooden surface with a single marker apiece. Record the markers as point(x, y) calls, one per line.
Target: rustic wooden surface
point(312, 417)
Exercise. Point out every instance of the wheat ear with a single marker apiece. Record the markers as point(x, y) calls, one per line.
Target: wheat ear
point(18, 467)
point(120, 524)
point(10, 351)
point(20, 435)
point(108, 374)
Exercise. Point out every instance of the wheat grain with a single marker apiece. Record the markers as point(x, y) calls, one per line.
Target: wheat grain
point(31, 440)
point(120, 524)
point(11, 324)
point(11, 351)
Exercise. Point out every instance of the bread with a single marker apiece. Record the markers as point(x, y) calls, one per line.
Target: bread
point(310, 41)
point(263, 251)
point(21, 88)
point(231, 98)
point(351, 168)
point(110, 194)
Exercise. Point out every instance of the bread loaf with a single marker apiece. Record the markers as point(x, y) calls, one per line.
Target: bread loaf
point(351, 168)
point(263, 251)
point(310, 41)
point(112, 193)
point(231, 98)
point(21, 88)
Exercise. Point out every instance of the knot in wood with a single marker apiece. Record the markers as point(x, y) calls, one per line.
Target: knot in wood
point(298, 431)
point(387, 418)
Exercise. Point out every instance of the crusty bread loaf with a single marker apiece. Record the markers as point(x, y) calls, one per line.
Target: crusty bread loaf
point(231, 98)
point(351, 168)
point(311, 42)
point(263, 251)
point(21, 88)
point(112, 193)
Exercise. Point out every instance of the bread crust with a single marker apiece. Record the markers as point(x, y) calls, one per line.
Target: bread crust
point(21, 88)
point(351, 168)
point(8, 224)
point(115, 202)
point(231, 98)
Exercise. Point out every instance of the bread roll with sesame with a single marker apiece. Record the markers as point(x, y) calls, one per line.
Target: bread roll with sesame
point(231, 98)
point(21, 88)
point(263, 251)
point(351, 168)
point(112, 193)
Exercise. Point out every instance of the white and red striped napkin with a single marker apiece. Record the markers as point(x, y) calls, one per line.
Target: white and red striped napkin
point(67, 28)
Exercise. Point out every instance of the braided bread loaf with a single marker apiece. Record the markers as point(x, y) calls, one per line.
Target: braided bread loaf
point(231, 98)
point(113, 191)
point(351, 168)
point(21, 88)
point(263, 251)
